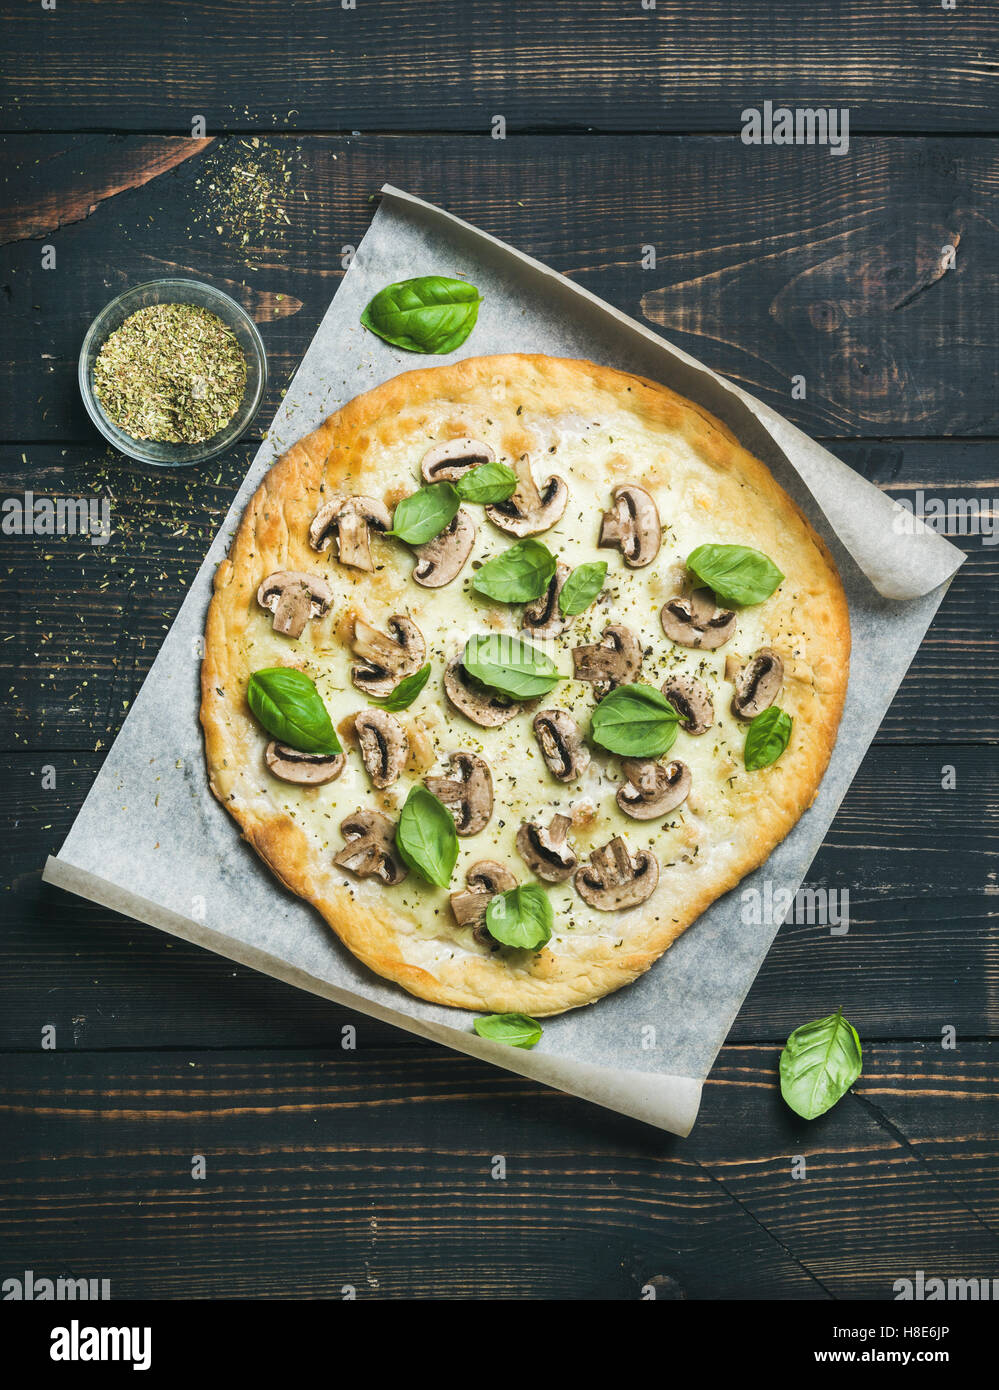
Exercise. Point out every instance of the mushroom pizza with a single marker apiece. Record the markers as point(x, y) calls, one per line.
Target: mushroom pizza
point(513, 668)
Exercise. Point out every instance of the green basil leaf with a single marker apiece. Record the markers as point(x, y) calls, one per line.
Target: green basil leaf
point(635, 721)
point(582, 587)
point(521, 917)
point(766, 738)
point(736, 573)
point(819, 1064)
point(515, 1029)
point(290, 708)
point(426, 838)
point(406, 691)
point(486, 483)
point(430, 313)
point(509, 665)
point(518, 574)
point(425, 513)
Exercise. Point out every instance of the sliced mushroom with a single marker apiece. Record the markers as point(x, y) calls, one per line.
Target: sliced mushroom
point(349, 519)
point(531, 509)
point(294, 598)
point(440, 560)
point(758, 684)
point(615, 879)
point(543, 617)
point(310, 769)
point(691, 699)
point(615, 660)
point(632, 526)
point(370, 850)
point(652, 788)
point(546, 851)
point(386, 658)
point(448, 461)
point(483, 881)
point(383, 744)
point(481, 706)
point(468, 795)
point(697, 621)
point(566, 755)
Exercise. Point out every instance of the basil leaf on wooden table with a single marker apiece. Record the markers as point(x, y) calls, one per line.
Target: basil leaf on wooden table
point(819, 1064)
point(521, 917)
point(517, 1030)
point(635, 721)
point(430, 313)
point(406, 691)
point(582, 587)
point(518, 574)
point(426, 838)
point(509, 665)
point(736, 573)
point(767, 738)
point(290, 708)
point(425, 513)
point(487, 483)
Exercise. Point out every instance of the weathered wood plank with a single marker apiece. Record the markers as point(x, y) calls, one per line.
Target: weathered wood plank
point(353, 1161)
point(400, 65)
point(772, 264)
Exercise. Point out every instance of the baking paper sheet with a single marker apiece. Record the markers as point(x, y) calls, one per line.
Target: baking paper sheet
point(151, 841)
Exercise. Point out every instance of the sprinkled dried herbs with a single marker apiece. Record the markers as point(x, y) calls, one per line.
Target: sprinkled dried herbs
point(174, 373)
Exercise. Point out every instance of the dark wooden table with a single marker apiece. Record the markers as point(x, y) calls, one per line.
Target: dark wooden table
point(371, 1168)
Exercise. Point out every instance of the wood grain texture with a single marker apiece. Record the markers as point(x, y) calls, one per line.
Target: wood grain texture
point(771, 264)
point(450, 65)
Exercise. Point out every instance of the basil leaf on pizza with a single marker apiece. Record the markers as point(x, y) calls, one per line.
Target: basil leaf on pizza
point(819, 1064)
point(487, 483)
point(582, 587)
point(509, 665)
point(635, 721)
point(290, 708)
point(516, 1030)
point(429, 313)
point(406, 691)
point(736, 573)
point(766, 739)
point(521, 917)
point(425, 513)
point(517, 575)
point(426, 838)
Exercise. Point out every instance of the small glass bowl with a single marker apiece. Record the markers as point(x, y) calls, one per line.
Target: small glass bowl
point(113, 315)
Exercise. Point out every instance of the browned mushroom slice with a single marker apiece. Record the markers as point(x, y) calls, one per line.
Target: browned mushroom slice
point(386, 658)
point(370, 850)
point(545, 849)
point(309, 769)
point(697, 621)
point(441, 560)
point(691, 699)
point(483, 881)
point(468, 794)
point(531, 509)
point(652, 789)
point(481, 706)
point(616, 879)
point(543, 617)
point(615, 660)
point(561, 742)
point(449, 461)
point(632, 526)
point(758, 684)
point(383, 744)
point(350, 520)
point(294, 598)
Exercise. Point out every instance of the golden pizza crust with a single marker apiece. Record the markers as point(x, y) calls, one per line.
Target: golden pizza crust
point(598, 421)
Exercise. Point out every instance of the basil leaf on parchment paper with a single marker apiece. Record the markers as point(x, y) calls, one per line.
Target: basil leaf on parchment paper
point(429, 313)
point(736, 573)
point(290, 708)
point(518, 574)
point(819, 1064)
point(487, 483)
point(424, 513)
point(406, 691)
point(509, 665)
point(767, 737)
point(521, 917)
point(517, 1030)
point(426, 838)
point(582, 587)
point(635, 721)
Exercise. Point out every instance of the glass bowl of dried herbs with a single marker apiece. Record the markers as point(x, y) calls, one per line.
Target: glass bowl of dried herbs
point(172, 372)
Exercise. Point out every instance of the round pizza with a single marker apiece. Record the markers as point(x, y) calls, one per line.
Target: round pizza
point(513, 668)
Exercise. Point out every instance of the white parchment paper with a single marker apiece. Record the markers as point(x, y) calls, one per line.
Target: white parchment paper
point(151, 842)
